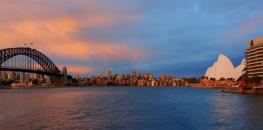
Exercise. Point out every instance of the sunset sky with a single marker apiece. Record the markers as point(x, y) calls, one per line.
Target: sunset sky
point(176, 37)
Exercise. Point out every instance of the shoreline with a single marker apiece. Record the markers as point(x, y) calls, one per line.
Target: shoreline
point(243, 90)
point(39, 87)
point(203, 87)
point(225, 90)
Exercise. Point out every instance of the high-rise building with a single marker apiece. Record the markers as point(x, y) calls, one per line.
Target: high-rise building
point(254, 58)
point(108, 74)
point(21, 77)
point(134, 74)
point(65, 74)
point(11, 76)
point(26, 76)
point(3, 75)
point(0, 72)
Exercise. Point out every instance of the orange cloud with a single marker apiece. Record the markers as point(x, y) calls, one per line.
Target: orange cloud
point(54, 37)
point(77, 69)
point(51, 29)
point(120, 52)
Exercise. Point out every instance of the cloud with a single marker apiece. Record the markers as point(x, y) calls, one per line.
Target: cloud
point(53, 27)
point(247, 27)
point(54, 33)
point(77, 69)
point(128, 34)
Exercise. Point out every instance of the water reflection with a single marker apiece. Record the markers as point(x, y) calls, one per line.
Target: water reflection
point(36, 109)
point(128, 108)
point(226, 110)
point(253, 114)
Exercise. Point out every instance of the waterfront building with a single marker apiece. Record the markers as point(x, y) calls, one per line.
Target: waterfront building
point(223, 68)
point(254, 58)
point(21, 77)
point(26, 76)
point(135, 75)
point(206, 83)
point(131, 80)
point(0, 72)
point(65, 74)
point(142, 82)
point(35, 76)
point(11, 76)
point(78, 77)
point(108, 74)
point(3, 75)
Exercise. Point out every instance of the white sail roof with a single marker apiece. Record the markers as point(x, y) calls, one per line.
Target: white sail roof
point(223, 68)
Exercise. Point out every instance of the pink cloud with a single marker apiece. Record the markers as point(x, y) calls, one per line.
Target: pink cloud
point(246, 28)
point(51, 29)
point(52, 33)
point(77, 69)
point(249, 26)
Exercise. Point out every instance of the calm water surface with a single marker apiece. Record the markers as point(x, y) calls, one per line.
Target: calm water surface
point(129, 109)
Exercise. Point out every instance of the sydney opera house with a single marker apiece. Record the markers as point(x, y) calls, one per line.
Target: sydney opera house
point(249, 73)
point(224, 68)
point(252, 65)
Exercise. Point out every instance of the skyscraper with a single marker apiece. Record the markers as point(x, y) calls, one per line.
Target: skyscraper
point(108, 74)
point(21, 77)
point(11, 76)
point(254, 58)
point(3, 75)
point(65, 74)
point(0, 72)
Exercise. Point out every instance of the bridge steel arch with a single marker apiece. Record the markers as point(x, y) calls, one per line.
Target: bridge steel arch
point(48, 66)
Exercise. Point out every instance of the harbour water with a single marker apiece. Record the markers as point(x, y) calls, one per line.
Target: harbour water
point(129, 108)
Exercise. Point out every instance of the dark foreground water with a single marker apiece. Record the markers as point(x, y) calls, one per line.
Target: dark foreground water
point(129, 109)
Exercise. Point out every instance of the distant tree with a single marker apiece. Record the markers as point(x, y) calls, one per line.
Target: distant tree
point(230, 79)
point(74, 82)
point(34, 81)
point(213, 79)
point(222, 79)
point(203, 77)
point(255, 79)
point(192, 80)
point(6, 82)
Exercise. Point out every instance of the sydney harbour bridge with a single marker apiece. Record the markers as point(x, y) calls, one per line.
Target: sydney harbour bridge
point(31, 61)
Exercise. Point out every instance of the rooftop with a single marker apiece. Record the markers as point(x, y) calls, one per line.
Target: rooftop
point(255, 42)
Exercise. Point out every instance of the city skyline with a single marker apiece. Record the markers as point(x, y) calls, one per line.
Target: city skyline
point(172, 37)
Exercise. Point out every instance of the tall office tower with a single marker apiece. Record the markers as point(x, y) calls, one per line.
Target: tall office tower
point(108, 74)
point(254, 58)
